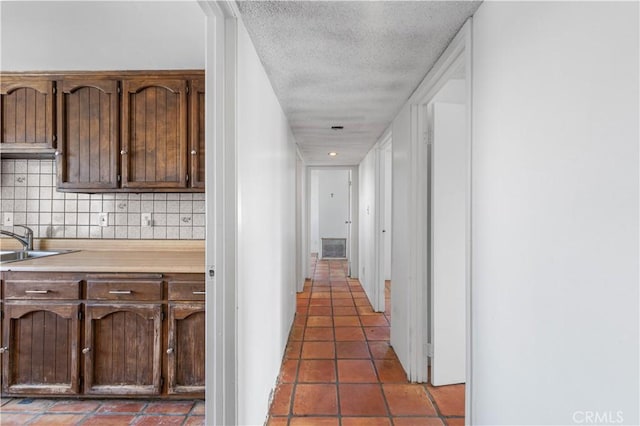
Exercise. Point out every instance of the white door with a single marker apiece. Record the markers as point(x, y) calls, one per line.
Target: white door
point(447, 249)
point(333, 205)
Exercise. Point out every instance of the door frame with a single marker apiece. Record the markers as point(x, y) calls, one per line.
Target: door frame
point(221, 401)
point(352, 246)
point(459, 52)
point(380, 219)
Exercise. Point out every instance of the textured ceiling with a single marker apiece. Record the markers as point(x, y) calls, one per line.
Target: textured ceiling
point(348, 63)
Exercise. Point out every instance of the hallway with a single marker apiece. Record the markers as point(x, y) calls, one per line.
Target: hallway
point(340, 370)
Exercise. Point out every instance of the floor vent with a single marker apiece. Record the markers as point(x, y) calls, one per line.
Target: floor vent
point(334, 248)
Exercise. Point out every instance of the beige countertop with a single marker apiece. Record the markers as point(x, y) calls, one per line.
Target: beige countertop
point(167, 258)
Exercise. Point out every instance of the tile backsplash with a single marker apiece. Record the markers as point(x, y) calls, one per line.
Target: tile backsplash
point(29, 192)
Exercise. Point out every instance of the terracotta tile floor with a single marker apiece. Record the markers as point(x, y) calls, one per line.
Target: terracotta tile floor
point(339, 369)
point(27, 411)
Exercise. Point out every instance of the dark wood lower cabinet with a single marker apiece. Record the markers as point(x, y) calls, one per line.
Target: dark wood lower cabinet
point(40, 348)
point(102, 334)
point(122, 349)
point(186, 348)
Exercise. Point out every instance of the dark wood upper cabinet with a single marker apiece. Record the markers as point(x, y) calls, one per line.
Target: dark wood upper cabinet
point(88, 128)
point(27, 115)
point(197, 122)
point(154, 133)
point(110, 131)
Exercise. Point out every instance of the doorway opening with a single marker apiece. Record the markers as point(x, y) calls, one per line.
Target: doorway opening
point(330, 212)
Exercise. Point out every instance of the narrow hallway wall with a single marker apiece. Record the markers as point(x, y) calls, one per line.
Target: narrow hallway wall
point(555, 213)
point(266, 257)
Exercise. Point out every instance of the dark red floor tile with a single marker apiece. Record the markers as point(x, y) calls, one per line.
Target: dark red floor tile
point(449, 399)
point(58, 419)
point(314, 399)
point(346, 321)
point(318, 334)
point(374, 320)
point(390, 371)
point(349, 334)
point(169, 407)
point(382, 350)
point(288, 371)
point(417, 421)
point(366, 421)
point(108, 420)
point(122, 406)
point(282, 400)
point(344, 310)
point(317, 371)
point(361, 400)
point(408, 399)
point(314, 421)
point(356, 371)
point(352, 350)
point(320, 321)
point(318, 350)
point(74, 406)
point(320, 310)
point(159, 420)
point(377, 333)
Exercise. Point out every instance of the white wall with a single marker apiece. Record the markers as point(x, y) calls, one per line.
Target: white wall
point(266, 176)
point(555, 213)
point(101, 35)
point(367, 206)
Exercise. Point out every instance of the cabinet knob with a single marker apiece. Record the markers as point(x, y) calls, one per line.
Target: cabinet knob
point(123, 152)
point(170, 351)
point(56, 153)
point(193, 152)
point(86, 350)
point(3, 350)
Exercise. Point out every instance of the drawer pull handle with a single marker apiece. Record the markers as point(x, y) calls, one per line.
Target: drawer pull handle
point(170, 351)
point(199, 292)
point(36, 291)
point(86, 350)
point(4, 350)
point(119, 291)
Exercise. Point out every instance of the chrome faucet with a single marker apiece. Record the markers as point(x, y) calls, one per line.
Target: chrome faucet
point(26, 240)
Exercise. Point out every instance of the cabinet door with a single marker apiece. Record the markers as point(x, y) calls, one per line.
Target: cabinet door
point(122, 349)
point(88, 128)
point(40, 347)
point(196, 134)
point(186, 348)
point(26, 115)
point(154, 134)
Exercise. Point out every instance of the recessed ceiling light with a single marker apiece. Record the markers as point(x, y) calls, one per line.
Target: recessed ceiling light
point(333, 154)
point(337, 127)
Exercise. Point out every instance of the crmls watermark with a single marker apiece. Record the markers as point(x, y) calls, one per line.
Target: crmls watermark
point(590, 417)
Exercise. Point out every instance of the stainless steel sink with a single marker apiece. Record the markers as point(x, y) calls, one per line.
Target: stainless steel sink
point(14, 256)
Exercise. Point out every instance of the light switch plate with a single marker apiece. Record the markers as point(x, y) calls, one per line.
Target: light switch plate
point(103, 219)
point(146, 220)
point(7, 219)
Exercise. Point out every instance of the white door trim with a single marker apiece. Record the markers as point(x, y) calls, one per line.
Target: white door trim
point(221, 230)
point(379, 221)
point(458, 52)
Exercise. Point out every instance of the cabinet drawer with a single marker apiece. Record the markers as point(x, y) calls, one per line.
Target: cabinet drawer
point(186, 290)
point(124, 290)
point(31, 289)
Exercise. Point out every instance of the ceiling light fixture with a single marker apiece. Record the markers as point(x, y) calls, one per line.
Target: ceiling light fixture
point(337, 127)
point(333, 154)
